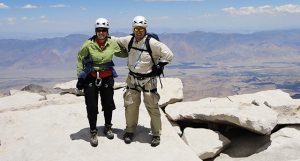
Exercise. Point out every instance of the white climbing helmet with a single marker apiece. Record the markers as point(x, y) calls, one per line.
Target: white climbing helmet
point(102, 22)
point(139, 21)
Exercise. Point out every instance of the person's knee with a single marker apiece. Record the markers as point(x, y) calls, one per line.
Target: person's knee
point(92, 116)
point(151, 99)
point(131, 97)
point(92, 110)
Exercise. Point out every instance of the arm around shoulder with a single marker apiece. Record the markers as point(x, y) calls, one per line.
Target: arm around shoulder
point(119, 50)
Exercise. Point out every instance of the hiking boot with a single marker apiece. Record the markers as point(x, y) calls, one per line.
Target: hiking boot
point(94, 140)
point(155, 141)
point(128, 137)
point(108, 131)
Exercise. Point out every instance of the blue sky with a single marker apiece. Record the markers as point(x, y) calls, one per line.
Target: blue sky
point(72, 16)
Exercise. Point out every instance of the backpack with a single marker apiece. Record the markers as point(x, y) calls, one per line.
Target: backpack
point(148, 48)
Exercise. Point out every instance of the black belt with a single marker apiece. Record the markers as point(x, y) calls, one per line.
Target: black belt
point(144, 90)
point(140, 76)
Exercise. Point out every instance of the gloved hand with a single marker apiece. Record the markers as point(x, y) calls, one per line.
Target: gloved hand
point(160, 68)
point(79, 84)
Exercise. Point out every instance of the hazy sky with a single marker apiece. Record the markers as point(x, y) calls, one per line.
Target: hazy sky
point(74, 16)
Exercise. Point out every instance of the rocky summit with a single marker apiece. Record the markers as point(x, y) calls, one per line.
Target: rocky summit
point(260, 126)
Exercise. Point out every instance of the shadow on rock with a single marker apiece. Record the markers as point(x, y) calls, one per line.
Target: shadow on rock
point(84, 134)
point(245, 143)
point(141, 134)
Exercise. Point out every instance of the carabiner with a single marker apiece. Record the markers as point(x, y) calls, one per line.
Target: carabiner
point(98, 80)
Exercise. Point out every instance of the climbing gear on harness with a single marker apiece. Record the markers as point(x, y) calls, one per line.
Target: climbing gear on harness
point(102, 74)
point(144, 90)
point(144, 78)
point(99, 75)
point(159, 70)
point(140, 76)
point(98, 80)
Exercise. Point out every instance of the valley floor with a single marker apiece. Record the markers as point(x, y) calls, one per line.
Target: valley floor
point(198, 81)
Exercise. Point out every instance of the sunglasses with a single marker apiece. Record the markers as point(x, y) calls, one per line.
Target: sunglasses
point(139, 29)
point(101, 30)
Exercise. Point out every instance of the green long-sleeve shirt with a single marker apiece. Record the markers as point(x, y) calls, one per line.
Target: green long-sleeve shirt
point(99, 55)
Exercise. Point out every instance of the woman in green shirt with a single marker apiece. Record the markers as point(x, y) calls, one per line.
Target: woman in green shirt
point(96, 75)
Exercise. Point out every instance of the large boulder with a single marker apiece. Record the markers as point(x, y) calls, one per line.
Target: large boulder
point(283, 145)
point(34, 88)
point(288, 109)
point(259, 119)
point(171, 91)
point(205, 143)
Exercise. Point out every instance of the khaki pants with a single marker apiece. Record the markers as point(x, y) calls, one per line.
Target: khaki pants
point(132, 101)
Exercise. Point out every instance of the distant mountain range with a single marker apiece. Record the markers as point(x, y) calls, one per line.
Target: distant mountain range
point(194, 47)
point(40, 53)
point(202, 47)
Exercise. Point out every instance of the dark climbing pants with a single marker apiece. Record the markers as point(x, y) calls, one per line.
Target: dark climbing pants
point(91, 94)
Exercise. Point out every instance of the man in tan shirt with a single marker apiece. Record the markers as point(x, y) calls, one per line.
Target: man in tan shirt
point(144, 67)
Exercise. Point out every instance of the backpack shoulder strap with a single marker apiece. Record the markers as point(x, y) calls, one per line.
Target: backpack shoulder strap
point(146, 43)
point(149, 48)
point(130, 43)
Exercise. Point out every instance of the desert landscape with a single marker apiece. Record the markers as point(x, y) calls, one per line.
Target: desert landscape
point(209, 64)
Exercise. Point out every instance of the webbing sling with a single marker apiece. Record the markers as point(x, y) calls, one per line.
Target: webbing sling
point(144, 90)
